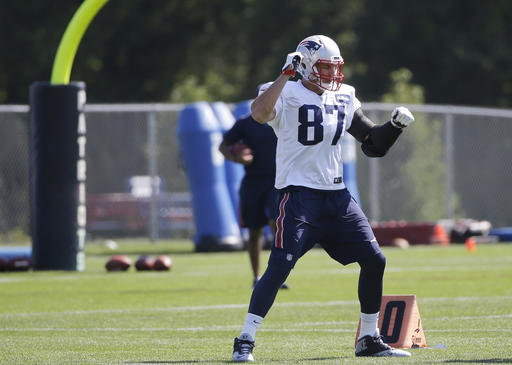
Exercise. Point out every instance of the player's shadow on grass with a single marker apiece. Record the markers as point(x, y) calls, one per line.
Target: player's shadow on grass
point(319, 359)
point(315, 359)
point(310, 360)
point(181, 362)
point(481, 361)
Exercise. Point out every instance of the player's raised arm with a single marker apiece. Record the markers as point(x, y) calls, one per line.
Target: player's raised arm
point(377, 139)
point(263, 107)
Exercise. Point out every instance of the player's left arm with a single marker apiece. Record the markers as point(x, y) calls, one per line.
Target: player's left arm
point(377, 139)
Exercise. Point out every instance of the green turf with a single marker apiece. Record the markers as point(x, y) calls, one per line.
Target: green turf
point(192, 313)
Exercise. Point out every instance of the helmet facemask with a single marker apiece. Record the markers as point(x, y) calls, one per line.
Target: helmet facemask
point(327, 74)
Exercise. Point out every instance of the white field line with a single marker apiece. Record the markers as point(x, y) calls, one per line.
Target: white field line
point(347, 271)
point(465, 318)
point(293, 327)
point(178, 309)
point(352, 330)
point(464, 299)
point(501, 264)
point(236, 306)
point(229, 328)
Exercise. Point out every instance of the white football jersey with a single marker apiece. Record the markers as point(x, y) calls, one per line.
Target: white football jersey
point(310, 130)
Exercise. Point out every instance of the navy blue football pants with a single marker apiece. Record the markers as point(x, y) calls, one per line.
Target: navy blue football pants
point(333, 220)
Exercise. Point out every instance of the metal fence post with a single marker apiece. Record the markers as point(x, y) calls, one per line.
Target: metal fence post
point(152, 152)
point(374, 182)
point(448, 156)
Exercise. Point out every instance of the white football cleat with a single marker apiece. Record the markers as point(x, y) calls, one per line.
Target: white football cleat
point(242, 348)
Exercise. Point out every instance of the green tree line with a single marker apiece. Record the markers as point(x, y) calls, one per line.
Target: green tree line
point(446, 52)
point(174, 50)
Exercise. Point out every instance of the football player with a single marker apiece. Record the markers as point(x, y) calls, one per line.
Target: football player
point(258, 196)
point(310, 118)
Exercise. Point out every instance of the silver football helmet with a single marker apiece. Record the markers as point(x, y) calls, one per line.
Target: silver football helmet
point(322, 62)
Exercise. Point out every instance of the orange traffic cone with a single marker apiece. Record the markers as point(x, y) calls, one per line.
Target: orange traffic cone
point(440, 235)
point(470, 244)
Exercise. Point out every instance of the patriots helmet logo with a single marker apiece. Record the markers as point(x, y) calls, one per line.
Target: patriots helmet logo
point(312, 46)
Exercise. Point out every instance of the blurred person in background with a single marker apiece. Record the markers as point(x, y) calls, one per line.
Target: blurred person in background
point(258, 196)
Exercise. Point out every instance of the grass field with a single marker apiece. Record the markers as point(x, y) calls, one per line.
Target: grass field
point(192, 313)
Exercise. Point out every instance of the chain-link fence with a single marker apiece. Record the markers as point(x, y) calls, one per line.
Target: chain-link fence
point(454, 162)
point(14, 172)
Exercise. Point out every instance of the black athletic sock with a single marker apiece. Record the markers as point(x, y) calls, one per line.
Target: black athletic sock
point(370, 283)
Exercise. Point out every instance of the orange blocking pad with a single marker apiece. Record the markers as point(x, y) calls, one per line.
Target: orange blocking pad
point(414, 232)
point(400, 322)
